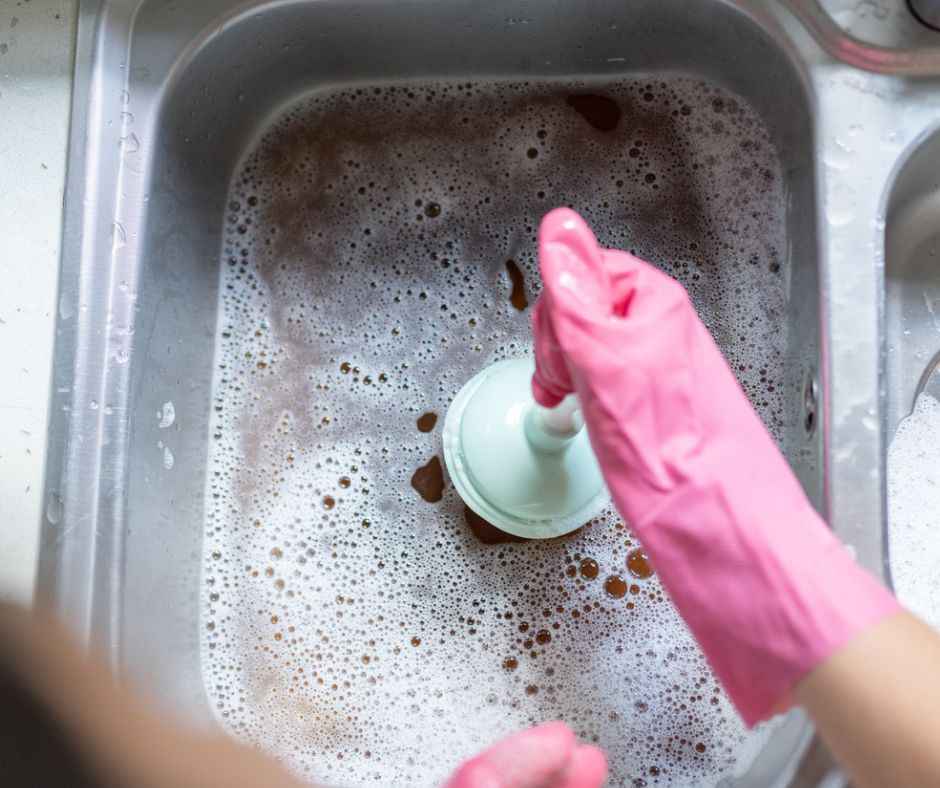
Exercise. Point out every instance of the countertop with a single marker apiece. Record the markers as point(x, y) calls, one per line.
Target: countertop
point(36, 43)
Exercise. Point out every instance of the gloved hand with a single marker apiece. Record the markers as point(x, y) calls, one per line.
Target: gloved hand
point(547, 756)
point(759, 578)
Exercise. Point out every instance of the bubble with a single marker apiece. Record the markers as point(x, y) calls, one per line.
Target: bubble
point(589, 568)
point(638, 564)
point(615, 586)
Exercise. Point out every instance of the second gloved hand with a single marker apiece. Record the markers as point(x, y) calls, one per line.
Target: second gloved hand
point(547, 756)
point(763, 584)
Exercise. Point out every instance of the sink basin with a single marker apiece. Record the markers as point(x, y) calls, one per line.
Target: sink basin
point(293, 229)
point(912, 342)
point(912, 277)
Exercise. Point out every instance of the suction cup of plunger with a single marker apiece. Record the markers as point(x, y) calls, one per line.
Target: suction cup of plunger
point(528, 470)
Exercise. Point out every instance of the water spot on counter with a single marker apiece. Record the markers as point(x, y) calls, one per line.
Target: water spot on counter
point(54, 508)
point(167, 456)
point(166, 415)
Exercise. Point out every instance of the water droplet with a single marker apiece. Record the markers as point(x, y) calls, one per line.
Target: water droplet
point(167, 415)
point(66, 308)
point(130, 144)
point(119, 234)
point(54, 508)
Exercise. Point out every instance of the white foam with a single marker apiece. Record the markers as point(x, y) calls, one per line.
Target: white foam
point(914, 509)
point(363, 282)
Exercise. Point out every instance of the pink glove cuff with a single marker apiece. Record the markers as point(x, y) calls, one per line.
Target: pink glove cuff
point(763, 614)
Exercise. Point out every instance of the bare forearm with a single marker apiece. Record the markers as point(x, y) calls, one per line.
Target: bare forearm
point(876, 703)
point(120, 740)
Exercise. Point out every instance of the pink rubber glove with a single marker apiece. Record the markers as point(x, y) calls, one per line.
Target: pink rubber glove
point(548, 756)
point(764, 585)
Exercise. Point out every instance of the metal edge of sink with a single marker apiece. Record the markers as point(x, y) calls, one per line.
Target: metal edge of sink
point(909, 187)
point(83, 494)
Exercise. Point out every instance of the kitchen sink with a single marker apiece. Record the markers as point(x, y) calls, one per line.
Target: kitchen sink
point(294, 229)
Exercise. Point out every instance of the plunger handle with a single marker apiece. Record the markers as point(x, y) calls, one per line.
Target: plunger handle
point(551, 429)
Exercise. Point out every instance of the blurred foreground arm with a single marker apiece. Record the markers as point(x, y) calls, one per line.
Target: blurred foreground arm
point(92, 732)
point(877, 704)
point(64, 721)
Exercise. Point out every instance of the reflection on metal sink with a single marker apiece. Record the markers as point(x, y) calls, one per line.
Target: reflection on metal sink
point(287, 232)
point(912, 278)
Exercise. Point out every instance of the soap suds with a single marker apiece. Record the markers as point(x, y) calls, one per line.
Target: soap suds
point(367, 635)
point(914, 510)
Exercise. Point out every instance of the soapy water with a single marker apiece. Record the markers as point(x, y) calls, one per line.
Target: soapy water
point(914, 508)
point(379, 250)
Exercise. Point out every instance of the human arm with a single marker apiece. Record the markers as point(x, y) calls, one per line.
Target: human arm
point(64, 720)
point(876, 704)
point(779, 606)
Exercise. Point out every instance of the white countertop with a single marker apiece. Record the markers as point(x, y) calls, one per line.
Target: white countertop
point(36, 42)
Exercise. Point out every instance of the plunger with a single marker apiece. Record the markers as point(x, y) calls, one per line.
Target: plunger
point(528, 470)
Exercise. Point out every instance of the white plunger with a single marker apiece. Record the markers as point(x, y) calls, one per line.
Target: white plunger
point(528, 470)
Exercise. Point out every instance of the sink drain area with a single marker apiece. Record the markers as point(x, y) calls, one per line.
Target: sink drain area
point(379, 251)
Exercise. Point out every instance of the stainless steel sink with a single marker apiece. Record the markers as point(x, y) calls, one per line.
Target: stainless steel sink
point(912, 284)
point(186, 212)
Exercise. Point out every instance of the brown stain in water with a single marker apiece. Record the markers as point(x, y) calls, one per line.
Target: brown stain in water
point(601, 112)
point(427, 422)
point(517, 297)
point(615, 586)
point(428, 480)
point(589, 569)
point(486, 532)
point(296, 215)
point(297, 247)
point(639, 564)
